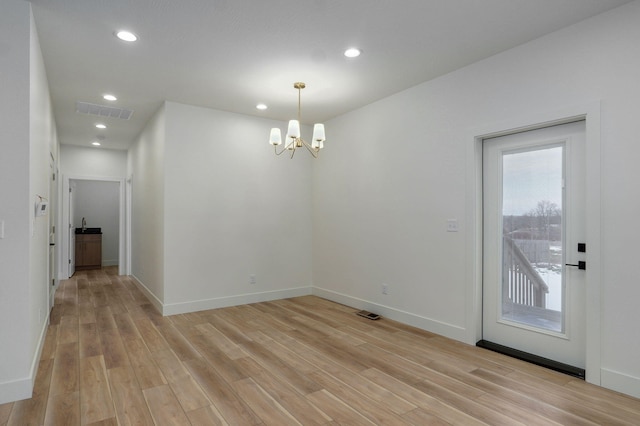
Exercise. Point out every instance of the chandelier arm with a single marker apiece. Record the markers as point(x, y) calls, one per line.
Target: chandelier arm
point(275, 149)
point(312, 150)
point(285, 148)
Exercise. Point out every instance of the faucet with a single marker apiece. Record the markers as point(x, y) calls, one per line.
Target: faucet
point(84, 225)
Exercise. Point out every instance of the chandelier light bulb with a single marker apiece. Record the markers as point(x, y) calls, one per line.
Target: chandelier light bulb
point(294, 129)
point(275, 138)
point(318, 132)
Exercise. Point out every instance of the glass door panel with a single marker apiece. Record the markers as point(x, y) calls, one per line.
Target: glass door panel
point(532, 238)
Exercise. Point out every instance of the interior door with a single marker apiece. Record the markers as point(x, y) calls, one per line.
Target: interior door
point(533, 210)
point(53, 210)
point(72, 234)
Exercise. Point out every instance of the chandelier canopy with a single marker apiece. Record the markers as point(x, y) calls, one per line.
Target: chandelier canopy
point(293, 140)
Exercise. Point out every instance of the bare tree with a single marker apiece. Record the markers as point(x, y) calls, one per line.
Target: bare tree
point(543, 219)
point(544, 215)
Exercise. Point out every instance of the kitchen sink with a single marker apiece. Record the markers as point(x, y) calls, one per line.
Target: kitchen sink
point(89, 231)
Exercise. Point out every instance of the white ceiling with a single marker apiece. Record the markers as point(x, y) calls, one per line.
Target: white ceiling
point(232, 54)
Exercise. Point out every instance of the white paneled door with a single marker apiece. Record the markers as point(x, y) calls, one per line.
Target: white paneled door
point(534, 228)
point(72, 233)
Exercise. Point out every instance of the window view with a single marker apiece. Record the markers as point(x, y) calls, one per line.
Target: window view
point(532, 282)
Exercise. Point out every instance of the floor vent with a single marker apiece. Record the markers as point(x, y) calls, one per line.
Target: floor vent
point(369, 315)
point(103, 111)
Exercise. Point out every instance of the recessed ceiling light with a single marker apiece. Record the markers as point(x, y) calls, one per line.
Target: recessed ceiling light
point(109, 97)
point(261, 107)
point(352, 52)
point(101, 126)
point(96, 143)
point(126, 36)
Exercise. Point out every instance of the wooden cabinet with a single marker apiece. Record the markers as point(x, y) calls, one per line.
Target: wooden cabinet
point(88, 251)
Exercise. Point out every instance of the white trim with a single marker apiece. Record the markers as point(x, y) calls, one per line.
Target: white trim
point(157, 303)
point(447, 330)
point(16, 390)
point(219, 302)
point(122, 221)
point(590, 111)
point(128, 222)
point(241, 299)
point(621, 382)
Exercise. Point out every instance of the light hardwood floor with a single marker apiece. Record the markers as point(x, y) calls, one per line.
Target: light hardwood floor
point(109, 358)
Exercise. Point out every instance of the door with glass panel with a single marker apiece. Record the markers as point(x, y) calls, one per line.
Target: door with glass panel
point(533, 213)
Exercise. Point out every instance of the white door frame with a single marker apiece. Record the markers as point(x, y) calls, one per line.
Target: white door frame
point(129, 213)
point(53, 275)
point(590, 112)
point(123, 255)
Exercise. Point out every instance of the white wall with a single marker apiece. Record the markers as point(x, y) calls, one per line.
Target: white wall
point(43, 150)
point(98, 202)
point(232, 209)
point(395, 172)
point(92, 162)
point(27, 135)
point(15, 202)
point(145, 165)
point(212, 205)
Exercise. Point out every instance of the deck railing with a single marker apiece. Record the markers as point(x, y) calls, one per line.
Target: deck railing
point(525, 285)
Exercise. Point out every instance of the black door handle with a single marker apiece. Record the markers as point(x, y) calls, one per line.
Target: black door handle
point(581, 265)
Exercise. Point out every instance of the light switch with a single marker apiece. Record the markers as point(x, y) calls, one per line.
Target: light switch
point(452, 225)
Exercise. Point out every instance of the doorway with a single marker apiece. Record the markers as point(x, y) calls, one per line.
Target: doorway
point(534, 219)
point(103, 207)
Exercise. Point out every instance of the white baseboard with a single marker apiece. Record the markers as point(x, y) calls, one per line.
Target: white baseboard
point(242, 299)
point(157, 303)
point(217, 302)
point(16, 390)
point(113, 262)
point(448, 330)
point(620, 382)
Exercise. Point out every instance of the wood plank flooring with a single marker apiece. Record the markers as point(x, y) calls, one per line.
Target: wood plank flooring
point(110, 359)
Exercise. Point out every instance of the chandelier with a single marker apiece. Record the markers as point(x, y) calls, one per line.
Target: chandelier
point(293, 140)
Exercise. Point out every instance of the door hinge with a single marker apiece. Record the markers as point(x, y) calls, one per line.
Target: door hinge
point(69, 261)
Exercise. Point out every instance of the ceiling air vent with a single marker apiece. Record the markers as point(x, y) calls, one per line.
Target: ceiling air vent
point(103, 110)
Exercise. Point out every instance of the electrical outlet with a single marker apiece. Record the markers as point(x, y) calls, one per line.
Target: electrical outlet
point(385, 289)
point(252, 279)
point(452, 225)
